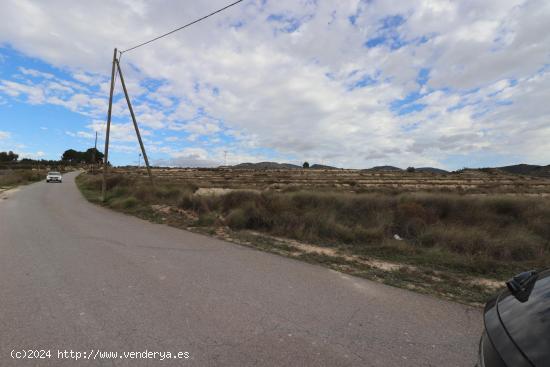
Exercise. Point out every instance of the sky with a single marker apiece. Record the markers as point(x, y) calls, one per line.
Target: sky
point(349, 83)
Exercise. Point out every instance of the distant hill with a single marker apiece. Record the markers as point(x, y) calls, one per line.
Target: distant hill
point(518, 169)
point(266, 165)
point(431, 170)
point(384, 169)
point(321, 166)
point(527, 169)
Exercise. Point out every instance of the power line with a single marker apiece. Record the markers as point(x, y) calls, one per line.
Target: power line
point(182, 27)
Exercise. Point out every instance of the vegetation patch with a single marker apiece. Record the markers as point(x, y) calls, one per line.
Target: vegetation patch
point(15, 177)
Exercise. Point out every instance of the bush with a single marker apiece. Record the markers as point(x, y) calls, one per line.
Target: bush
point(129, 203)
point(144, 193)
point(235, 199)
point(20, 177)
point(371, 236)
point(207, 219)
point(92, 182)
point(237, 219)
point(186, 202)
point(124, 203)
point(113, 181)
point(168, 193)
point(511, 208)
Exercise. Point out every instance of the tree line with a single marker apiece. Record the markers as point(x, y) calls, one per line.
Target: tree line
point(70, 156)
point(8, 156)
point(89, 156)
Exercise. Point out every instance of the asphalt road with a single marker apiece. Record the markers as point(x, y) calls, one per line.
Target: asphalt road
point(75, 276)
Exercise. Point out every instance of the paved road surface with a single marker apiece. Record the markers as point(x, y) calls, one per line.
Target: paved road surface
point(74, 276)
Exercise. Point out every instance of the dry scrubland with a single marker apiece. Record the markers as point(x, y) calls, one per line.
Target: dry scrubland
point(489, 181)
point(14, 174)
point(459, 233)
point(14, 177)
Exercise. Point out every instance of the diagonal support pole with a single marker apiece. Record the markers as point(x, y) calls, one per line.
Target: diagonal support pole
point(135, 122)
point(94, 160)
point(106, 157)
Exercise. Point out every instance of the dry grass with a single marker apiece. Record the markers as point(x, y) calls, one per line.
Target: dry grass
point(11, 178)
point(464, 182)
point(484, 235)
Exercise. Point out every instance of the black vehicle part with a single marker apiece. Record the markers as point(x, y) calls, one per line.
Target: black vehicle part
point(521, 285)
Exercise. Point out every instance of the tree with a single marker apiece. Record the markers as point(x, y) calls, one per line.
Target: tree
point(306, 165)
point(75, 157)
point(92, 154)
point(8, 156)
point(411, 169)
point(72, 156)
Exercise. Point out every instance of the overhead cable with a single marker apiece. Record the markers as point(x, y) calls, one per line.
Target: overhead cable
point(182, 27)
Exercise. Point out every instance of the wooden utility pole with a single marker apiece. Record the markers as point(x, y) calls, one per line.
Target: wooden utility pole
point(94, 155)
point(106, 157)
point(145, 159)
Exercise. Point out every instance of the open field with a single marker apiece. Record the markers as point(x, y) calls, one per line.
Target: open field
point(15, 174)
point(459, 244)
point(14, 177)
point(468, 181)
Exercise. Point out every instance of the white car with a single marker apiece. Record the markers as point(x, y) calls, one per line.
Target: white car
point(54, 177)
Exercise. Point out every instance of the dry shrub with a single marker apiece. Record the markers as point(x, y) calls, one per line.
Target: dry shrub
point(198, 204)
point(20, 176)
point(461, 240)
point(92, 182)
point(237, 219)
point(207, 219)
point(113, 181)
point(235, 199)
point(14, 177)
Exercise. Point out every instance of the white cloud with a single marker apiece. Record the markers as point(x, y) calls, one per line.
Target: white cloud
point(48, 89)
point(90, 79)
point(32, 155)
point(34, 94)
point(202, 126)
point(302, 83)
point(80, 134)
point(4, 135)
point(35, 73)
point(120, 132)
point(190, 157)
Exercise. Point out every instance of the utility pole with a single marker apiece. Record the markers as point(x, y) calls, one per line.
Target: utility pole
point(116, 65)
point(139, 160)
point(106, 157)
point(225, 158)
point(134, 121)
point(94, 155)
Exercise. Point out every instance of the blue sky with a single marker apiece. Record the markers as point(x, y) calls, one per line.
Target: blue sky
point(35, 129)
point(42, 127)
point(352, 84)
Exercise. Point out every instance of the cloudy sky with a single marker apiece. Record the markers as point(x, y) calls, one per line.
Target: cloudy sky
point(349, 83)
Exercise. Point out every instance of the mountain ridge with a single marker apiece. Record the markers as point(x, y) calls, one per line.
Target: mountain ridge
point(517, 169)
